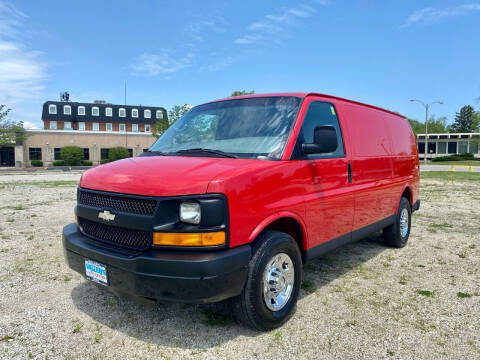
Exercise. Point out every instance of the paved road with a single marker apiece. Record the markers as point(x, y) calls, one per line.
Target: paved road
point(429, 167)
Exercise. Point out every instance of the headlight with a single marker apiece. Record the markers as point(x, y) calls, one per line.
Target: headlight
point(190, 212)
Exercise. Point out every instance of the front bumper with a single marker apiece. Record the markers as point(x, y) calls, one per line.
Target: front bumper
point(193, 276)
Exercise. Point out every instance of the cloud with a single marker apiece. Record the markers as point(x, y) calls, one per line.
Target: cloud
point(166, 62)
point(275, 26)
point(22, 73)
point(162, 63)
point(430, 15)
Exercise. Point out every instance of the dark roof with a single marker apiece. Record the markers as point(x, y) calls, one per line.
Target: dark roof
point(101, 118)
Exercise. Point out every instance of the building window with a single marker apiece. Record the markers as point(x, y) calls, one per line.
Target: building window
point(442, 147)
point(56, 153)
point(86, 154)
point(95, 127)
point(95, 111)
point(67, 125)
point(462, 147)
point(121, 127)
point(145, 150)
point(159, 114)
point(67, 110)
point(109, 126)
point(147, 128)
point(104, 154)
point(53, 125)
point(122, 112)
point(473, 147)
point(452, 147)
point(52, 109)
point(81, 110)
point(147, 114)
point(135, 127)
point(130, 151)
point(81, 126)
point(108, 111)
point(35, 153)
point(135, 113)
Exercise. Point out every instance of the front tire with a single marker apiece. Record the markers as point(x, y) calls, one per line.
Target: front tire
point(396, 235)
point(271, 291)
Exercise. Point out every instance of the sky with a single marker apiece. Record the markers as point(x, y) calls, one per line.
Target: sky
point(189, 52)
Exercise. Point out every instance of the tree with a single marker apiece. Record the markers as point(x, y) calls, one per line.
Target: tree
point(466, 121)
point(417, 126)
point(117, 153)
point(435, 125)
point(11, 132)
point(174, 114)
point(242, 92)
point(72, 155)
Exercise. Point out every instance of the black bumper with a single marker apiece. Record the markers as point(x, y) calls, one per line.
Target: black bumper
point(198, 277)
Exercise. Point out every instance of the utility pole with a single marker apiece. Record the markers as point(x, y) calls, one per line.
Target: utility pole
point(126, 115)
point(426, 106)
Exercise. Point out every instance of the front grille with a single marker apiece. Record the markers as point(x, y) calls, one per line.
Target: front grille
point(136, 239)
point(117, 202)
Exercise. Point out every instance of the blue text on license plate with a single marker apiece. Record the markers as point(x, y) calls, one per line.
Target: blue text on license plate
point(96, 272)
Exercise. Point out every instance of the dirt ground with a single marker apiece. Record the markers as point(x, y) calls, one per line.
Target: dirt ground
point(364, 301)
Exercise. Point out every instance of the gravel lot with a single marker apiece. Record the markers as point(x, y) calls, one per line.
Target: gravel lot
point(363, 301)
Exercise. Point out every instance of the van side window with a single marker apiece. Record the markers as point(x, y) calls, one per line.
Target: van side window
point(319, 113)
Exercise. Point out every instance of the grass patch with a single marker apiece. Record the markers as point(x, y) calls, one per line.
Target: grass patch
point(67, 277)
point(19, 207)
point(6, 338)
point(98, 334)
point(459, 162)
point(77, 328)
point(308, 286)
point(10, 220)
point(464, 295)
point(213, 319)
point(450, 176)
point(426, 293)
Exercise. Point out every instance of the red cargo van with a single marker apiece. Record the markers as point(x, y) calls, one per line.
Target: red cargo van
point(238, 194)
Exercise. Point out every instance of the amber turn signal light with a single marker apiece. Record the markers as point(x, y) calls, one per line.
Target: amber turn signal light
point(189, 239)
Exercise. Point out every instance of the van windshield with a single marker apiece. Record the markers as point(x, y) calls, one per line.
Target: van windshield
point(245, 128)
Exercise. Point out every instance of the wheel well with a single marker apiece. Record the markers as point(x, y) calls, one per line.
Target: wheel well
point(289, 226)
point(407, 194)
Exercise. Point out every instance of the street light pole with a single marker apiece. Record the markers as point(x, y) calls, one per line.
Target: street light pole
point(426, 106)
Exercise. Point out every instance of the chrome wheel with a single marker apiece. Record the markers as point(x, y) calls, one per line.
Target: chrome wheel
point(278, 280)
point(404, 223)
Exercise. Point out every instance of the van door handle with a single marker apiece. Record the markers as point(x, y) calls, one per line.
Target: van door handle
point(349, 167)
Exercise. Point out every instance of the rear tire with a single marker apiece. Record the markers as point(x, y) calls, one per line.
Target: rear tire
point(396, 235)
point(276, 261)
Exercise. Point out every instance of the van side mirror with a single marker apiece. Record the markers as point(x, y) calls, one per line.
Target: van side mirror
point(324, 141)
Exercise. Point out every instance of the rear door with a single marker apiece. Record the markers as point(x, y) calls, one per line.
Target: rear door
point(329, 198)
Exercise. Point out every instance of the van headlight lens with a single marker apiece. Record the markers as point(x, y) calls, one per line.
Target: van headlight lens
point(190, 212)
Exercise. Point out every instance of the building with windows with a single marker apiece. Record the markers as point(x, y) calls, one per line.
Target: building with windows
point(94, 127)
point(448, 144)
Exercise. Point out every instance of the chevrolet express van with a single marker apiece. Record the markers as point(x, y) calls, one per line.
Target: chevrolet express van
point(238, 194)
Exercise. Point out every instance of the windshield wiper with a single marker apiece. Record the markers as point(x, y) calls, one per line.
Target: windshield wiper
point(153, 153)
point(207, 151)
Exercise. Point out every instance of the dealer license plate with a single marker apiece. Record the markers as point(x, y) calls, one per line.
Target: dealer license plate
point(96, 272)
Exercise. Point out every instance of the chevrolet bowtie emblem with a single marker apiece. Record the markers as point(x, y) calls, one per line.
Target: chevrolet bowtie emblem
point(106, 215)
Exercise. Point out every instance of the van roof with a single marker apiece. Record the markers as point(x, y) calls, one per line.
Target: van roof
point(304, 95)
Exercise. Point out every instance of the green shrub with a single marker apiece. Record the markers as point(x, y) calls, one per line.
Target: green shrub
point(59, 163)
point(454, 157)
point(104, 161)
point(37, 163)
point(86, 163)
point(72, 155)
point(118, 153)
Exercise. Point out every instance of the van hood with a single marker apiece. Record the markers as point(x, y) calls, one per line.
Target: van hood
point(163, 175)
